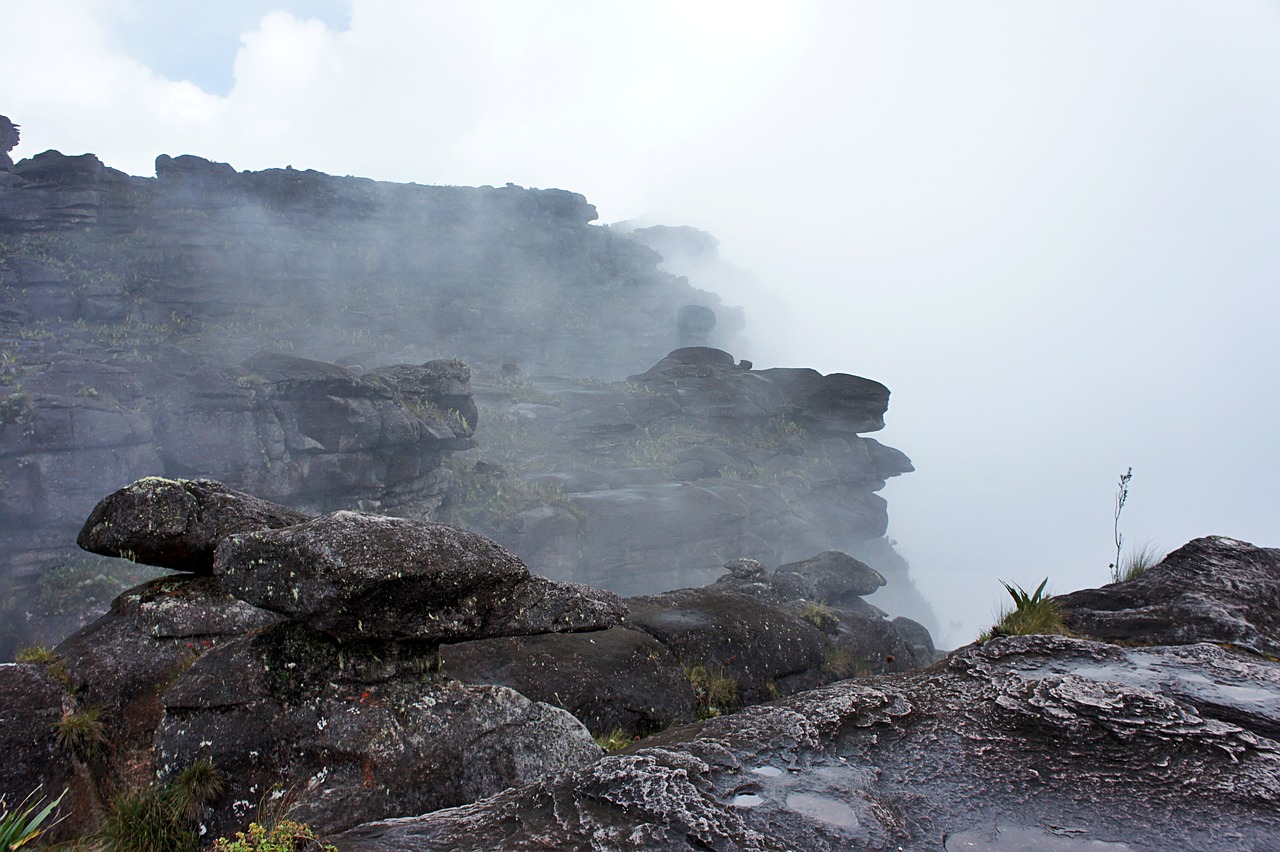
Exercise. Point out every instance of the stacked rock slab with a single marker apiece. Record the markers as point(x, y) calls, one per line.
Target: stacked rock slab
point(309, 658)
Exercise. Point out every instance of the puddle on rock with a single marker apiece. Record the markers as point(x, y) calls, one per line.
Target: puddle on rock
point(746, 800)
point(830, 811)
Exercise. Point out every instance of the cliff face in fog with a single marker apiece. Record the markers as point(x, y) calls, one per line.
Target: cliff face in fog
point(238, 325)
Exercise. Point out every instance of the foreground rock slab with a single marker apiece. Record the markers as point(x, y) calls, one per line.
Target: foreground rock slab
point(361, 576)
point(1025, 742)
point(177, 523)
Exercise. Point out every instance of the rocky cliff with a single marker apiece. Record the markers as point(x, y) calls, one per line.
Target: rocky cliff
point(428, 352)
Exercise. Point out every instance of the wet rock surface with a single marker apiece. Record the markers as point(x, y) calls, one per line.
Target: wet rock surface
point(1212, 589)
point(361, 576)
point(1045, 741)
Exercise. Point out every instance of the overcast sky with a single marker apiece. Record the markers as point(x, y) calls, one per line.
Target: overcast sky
point(1050, 228)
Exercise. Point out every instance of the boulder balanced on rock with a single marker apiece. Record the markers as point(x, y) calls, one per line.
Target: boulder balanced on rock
point(177, 523)
point(357, 576)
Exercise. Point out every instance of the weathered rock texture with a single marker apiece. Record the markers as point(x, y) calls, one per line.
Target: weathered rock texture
point(354, 729)
point(357, 576)
point(1212, 589)
point(1027, 742)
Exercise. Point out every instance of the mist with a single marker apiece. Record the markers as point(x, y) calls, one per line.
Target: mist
point(1046, 229)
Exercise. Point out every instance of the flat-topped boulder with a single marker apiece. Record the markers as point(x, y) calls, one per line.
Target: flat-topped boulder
point(1212, 589)
point(834, 577)
point(360, 576)
point(177, 523)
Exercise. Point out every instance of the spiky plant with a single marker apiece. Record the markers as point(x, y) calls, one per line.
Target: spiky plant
point(82, 731)
point(1032, 613)
point(27, 821)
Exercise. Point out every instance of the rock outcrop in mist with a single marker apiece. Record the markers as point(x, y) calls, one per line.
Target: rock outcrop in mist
point(339, 343)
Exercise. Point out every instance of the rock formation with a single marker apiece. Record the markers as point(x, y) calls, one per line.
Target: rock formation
point(311, 339)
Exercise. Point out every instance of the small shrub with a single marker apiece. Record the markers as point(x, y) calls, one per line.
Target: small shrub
point(1032, 614)
point(26, 822)
point(285, 836)
point(82, 731)
point(715, 692)
point(615, 740)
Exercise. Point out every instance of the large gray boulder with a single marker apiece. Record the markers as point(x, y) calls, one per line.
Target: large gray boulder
point(1212, 589)
point(177, 523)
point(354, 730)
point(361, 576)
point(610, 679)
point(1024, 743)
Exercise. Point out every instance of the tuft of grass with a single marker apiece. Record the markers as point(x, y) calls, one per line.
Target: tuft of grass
point(715, 692)
point(1033, 613)
point(820, 616)
point(42, 655)
point(82, 731)
point(841, 662)
point(25, 823)
point(1136, 562)
point(144, 821)
point(615, 740)
point(162, 818)
point(195, 787)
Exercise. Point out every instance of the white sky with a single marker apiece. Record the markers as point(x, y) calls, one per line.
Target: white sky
point(1049, 228)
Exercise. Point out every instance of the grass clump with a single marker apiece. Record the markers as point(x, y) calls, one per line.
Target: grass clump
point(715, 692)
point(23, 824)
point(820, 616)
point(841, 662)
point(162, 818)
point(1032, 614)
point(1136, 562)
point(82, 731)
point(615, 740)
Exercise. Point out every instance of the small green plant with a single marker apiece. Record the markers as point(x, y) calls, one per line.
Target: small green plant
point(615, 740)
point(1032, 613)
point(715, 692)
point(26, 822)
point(285, 836)
point(82, 731)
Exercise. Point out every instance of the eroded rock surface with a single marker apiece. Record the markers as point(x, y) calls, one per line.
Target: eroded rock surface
point(370, 577)
point(354, 729)
point(1212, 589)
point(1026, 742)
